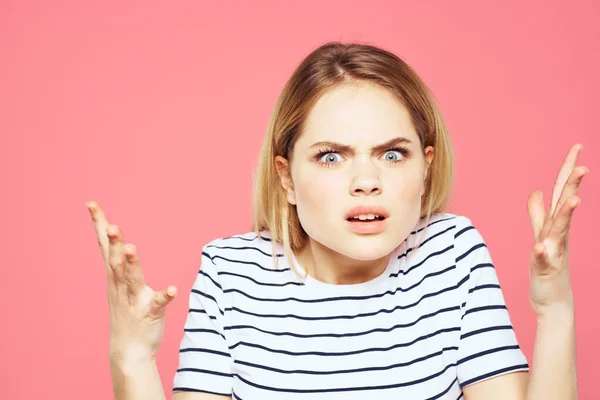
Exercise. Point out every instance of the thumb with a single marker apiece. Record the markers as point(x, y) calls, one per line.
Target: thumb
point(162, 299)
point(539, 258)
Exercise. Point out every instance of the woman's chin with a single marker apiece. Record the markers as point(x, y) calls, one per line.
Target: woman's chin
point(368, 248)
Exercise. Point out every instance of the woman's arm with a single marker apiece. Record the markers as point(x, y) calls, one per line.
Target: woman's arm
point(137, 319)
point(134, 380)
point(553, 373)
point(554, 369)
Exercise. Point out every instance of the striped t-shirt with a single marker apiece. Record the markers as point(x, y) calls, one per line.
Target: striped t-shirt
point(432, 323)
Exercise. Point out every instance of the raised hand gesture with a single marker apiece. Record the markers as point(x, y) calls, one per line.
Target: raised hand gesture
point(550, 285)
point(136, 311)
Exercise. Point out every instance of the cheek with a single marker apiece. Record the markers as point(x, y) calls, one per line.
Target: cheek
point(407, 185)
point(316, 188)
point(318, 195)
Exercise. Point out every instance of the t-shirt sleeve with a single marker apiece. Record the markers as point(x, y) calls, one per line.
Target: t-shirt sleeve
point(205, 363)
point(488, 345)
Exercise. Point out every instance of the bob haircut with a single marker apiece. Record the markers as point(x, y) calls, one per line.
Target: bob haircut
point(331, 65)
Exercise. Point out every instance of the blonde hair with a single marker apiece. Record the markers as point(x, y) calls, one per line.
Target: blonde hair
point(328, 66)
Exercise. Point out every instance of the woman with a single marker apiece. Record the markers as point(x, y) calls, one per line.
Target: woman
point(354, 283)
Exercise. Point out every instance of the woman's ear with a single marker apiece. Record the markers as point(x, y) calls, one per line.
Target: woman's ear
point(429, 154)
point(285, 176)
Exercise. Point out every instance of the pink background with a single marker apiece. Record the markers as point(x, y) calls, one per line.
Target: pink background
point(158, 110)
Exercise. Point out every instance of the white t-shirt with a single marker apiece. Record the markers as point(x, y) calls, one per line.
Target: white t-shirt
point(432, 323)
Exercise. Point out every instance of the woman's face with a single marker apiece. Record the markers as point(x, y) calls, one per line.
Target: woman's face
point(358, 149)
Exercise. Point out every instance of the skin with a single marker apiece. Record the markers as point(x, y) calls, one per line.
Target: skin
point(323, 189)
point(359, 116)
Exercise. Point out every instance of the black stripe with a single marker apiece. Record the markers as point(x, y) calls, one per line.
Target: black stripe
point(435, 253)
point(246, 239)
point(261, 283)
point(496, 372)
point(480, 287)
point(425, 241)
point(441, 394)
point(208, 296)
point(248, 263)
point(463, 281)
point(201, 271)
point(345, 371)
point(235, 396)
point(482, 265)
point(345, 389)
point(202, 330)
point(484, 330)
point(205, 371)
point(186, 389)
point(486, 352)
point(345, 353)
point(477, 246)
point(201, 311)
point(457, 234)
point(432, 274)
point(243, 248)
point(484, 308)
point(341, 335)
point(431, 223)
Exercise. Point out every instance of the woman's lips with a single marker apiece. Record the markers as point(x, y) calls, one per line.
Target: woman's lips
point(366, 227)
point(367, 209)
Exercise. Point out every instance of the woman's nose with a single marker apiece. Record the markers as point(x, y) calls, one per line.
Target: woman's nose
point(366, 180)
point(366, 187)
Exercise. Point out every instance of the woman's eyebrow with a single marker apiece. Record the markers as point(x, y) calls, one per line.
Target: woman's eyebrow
point(349, 149)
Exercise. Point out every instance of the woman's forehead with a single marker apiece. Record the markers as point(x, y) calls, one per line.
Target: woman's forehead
point(354, 114)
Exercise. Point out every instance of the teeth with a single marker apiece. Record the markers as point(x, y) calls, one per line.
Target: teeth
point(364, 217)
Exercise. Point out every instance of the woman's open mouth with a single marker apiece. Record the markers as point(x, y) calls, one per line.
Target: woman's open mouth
point(367, 223)
point(366, 218)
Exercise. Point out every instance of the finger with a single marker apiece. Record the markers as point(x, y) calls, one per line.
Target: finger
point(116, 258)
point(134, 276)
point(560, 226)
point(537, 213)
point(100, 225)
point(564, 173)
point(571, 187)
point(161, 300)
point(539, 258)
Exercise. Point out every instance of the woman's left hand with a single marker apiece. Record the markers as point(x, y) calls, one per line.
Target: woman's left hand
point(550, 284)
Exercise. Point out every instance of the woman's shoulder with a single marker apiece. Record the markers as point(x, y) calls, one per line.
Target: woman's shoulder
point(442, 232)
point(253, 249)
point(462, 236)
point(252, 241)
point(447, 220)
point(442, 222)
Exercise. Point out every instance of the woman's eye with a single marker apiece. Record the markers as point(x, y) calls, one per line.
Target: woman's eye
point(392, 155)
point(330, 158)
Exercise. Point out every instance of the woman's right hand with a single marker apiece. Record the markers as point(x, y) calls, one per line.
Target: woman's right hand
point(137, 313)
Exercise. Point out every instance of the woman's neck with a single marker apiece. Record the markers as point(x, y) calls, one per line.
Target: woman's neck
point(328, 266)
